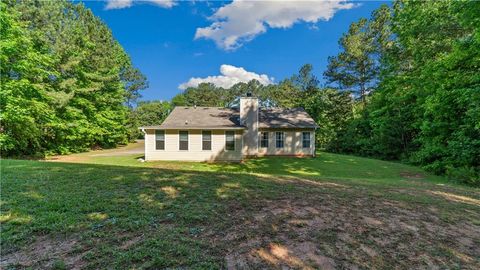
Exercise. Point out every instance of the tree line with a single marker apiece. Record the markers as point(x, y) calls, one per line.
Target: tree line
point(404, 86)
point(66, 83)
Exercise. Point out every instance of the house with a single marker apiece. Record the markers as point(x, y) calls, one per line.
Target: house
point(215, 133)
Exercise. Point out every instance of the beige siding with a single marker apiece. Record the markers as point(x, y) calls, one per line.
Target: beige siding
point(292, 143)
point(195, 152)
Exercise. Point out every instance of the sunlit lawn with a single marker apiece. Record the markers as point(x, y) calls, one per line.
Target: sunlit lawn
point(325, 166)
point(328, 211)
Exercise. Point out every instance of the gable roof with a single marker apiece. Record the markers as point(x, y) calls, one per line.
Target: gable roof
point(222, 118)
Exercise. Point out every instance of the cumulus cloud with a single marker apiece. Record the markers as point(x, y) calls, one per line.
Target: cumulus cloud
point(119, 4)
point(230, 75)
point(242, 20)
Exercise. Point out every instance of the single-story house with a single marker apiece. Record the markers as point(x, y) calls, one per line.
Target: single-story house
point(229, 134)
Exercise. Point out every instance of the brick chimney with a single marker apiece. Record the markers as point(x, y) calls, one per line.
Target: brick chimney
point(249, 118)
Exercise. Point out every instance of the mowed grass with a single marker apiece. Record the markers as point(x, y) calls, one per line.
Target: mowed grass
point(332, 211)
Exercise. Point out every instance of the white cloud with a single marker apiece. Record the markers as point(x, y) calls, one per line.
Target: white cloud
point(119, 4)
point(230, 76)
point(242, 20)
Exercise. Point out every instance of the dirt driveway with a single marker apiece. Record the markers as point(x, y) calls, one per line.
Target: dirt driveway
point(138, 147)
point(134, 148)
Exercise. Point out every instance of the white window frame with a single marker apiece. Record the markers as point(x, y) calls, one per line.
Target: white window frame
point(211, 140)
point(234, 140)
point(188, 141)
point(164, 140)
point(282, 137)
point(262, 139)
point(309, 139)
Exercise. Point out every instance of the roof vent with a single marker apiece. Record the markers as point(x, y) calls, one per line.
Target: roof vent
point(186, 122)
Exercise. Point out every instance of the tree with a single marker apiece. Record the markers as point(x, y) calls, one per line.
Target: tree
point(205, 94)
point(82, 83)
point(26, 116)
point(134, 81)
point(332, 111)
point(357, 67)
point(305, 80)
point(286, 94)
point(426, 106)
point(147, 113)
point(442, 53)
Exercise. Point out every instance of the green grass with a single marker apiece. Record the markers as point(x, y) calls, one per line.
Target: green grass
point(113, 212)
point(325, 166)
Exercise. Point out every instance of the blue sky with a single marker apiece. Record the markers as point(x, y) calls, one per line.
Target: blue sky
point(268, 39)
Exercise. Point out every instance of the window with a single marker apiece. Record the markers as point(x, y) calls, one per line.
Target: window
point(230, 140)
point(183, 136)
point(160, 139)
point(306, 139)
point(264, 139)
point(279, 139)
point(206, 140)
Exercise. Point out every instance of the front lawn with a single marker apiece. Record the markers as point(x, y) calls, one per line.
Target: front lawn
point(332, 211)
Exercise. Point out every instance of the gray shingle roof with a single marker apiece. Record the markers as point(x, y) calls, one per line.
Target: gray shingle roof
point(202, 117)
point(220, 118)
point(285, 118)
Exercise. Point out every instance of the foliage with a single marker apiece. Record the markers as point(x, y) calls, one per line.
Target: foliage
point(426, 108)
point(357, 67)
point(147, 113)
point(26, 115)
point(207, 94)
point(65, 80)
point(332, 111)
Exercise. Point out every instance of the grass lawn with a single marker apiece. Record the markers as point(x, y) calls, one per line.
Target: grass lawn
point(332, 211)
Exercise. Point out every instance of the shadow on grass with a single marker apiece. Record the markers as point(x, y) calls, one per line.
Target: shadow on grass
point(177, 212)
point(325, 166)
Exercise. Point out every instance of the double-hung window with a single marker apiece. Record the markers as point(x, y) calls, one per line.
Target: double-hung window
point(230, 140)
point(306, 139)
point(206, 140)
point(263, 139)
point(160, 139)
point(279, 139)
point(183, 140)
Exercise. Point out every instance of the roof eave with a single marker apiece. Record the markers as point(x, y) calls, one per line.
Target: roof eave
point(309, 127)
point(193, 127)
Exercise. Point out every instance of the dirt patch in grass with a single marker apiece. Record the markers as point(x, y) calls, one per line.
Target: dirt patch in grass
point(129, 242)
point(46, 251)
point(69, 158)
point(412, 175)
point(328, 233)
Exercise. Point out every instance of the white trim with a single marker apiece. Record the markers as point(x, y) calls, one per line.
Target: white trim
point(242, 144)
point(234, 140)
point(211, 140)
point(283, 139)
point(144, 144)
point(188, 140)
point(164, 140)
point(309, 139)
point(261, 139)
